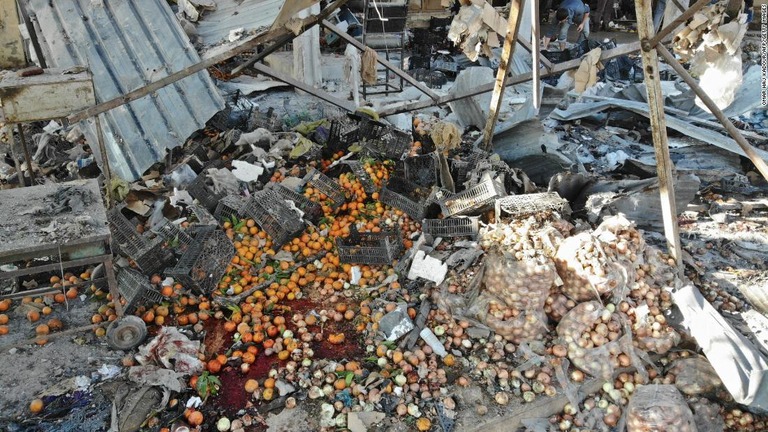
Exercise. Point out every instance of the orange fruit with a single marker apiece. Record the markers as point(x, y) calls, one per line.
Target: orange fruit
point(3, 330)
point(33, 315)
point(5, 305)
point(71, 293)
point(42, 329)
point(214, 366)
point(251, 385)
point(36, 406)
point(3, 319)
point(195, 418)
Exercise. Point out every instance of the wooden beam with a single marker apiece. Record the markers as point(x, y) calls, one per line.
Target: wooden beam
point(727, 124)
point(672, 27)
point(246, 46)
point(345, 105)
point(274, 46)
point(485, 88)
point(664, 164)
point(12, 54)
point(510, 41)
point(384, 62)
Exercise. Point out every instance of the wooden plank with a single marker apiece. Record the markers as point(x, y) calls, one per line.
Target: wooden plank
point(725, 121)
point(510, 41)
point(50, 95)
point(559, 68)
point(672, 27)
point(345, 105)
point(664, 164)
point(384, 62)
point(11, 45)
point(27, 156)
point(244, 47)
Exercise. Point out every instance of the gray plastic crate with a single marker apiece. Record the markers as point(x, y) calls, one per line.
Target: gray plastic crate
point(204, 263)
point(422, 170)
point(312, 211)
point(370, 248)
point(229, 206)
point(402, 194)
point(451, 227)
point(143, 249)
point(327, 186)
point(475, 199)
point(135, 288)
point(268, 209)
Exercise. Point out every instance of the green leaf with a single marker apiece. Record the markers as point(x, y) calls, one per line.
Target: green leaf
point(389, 344)
point(350, 377)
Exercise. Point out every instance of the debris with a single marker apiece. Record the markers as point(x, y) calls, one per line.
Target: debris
point(472, 111)
point(396, 324)
point(172, 350)
point(427, 267)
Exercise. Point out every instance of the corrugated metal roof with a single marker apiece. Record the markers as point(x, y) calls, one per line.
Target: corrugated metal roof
point(214, 26)
point(126, 45)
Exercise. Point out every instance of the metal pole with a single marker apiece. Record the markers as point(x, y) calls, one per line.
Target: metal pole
point(510, 40)
point(535, 70)
point(659, 132)
point(104, 161)
point(26, 154)
point(16, 163)
point(727, 124)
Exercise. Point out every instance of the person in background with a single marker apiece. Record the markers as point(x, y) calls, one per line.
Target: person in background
point(571, 12)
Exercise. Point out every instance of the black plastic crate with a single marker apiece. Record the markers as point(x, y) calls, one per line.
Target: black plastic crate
point(451, 227)
point(342, 133)
point(202, 216)
point(201, 188)
point(176, 238)
point(359, 170)
point(327, 186)
point(268, 209)
point(204, 263)
point(380, 248)
point(229, 206)
point(390, 143)
point(146, 251)
point(422, 170)
point(406, 196)
point(312, 211)
point(475, 199)
point(135, 288)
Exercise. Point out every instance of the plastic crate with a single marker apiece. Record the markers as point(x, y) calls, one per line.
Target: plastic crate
point(178, 238)
point(402, 194)
point(521, 205)
point(393, 144)
point(135, 288)
point(204, 263)
point(357, 168)
point(312, 211)
point(342, 133)
point(370, 248)
point(327, 186)
point(475, 199)
point(422, 170)
point(451, 227)
point(229, 206)
point(268, 209)
point(203, 216)
point(146, 251)
point(201, 188)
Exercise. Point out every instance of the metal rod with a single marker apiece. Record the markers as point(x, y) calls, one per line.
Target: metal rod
point(727, 124)
point(536, 54)
point(301, 86)
point(15, 158)
point(114, 291)
point(672, 27)
point(104, 161)
point(510, 40)
point(664, 166)
point(27, 156)
point(396, 70)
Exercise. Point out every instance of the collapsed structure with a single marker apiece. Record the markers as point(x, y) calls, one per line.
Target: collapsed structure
point(372, 249)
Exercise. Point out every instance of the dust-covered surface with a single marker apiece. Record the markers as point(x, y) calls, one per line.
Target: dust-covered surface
point(29, 369)
point(51, 214)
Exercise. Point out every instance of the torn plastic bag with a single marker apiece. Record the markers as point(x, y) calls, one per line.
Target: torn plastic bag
point(513, 325)
point(585, 269)
point(659, 408)
point(598, 361)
